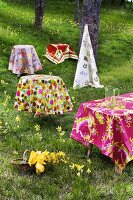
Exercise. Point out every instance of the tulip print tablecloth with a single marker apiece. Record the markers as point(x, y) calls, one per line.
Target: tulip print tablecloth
point(110, 129)
point(42, 94)
point(24, 59)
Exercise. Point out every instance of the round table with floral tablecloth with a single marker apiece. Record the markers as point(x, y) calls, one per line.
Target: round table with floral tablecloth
point(42, 94)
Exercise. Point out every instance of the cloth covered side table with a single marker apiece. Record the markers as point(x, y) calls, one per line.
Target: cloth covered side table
point(110, 129)
point(42, 94)
point(24, 59)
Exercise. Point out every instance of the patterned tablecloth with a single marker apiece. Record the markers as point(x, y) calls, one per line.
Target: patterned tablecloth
point(42, 94)
point(57, 53)
point(110, 129)
point(24, 59)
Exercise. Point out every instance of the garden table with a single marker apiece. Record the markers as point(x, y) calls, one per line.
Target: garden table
point(42, 94)
point(109, 128)
point(24, 59)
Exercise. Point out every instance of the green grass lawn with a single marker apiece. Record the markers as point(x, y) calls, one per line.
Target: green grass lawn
point(115, 66)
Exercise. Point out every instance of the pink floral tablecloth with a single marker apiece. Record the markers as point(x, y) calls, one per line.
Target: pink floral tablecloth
point(24, 59)
point(42, 94)
point(110, 129)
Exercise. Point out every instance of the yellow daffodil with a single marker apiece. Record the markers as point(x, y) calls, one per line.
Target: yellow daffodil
point(53, 157)
point(89, 161)
point(79, 167)
point(61, 154)
point(18, 118)
point(33, 158)
point(88, 171)
point(78, 174)
point(37, 127)
point(72, 166)
point(40, 158)
point(59, 129)
point(39, 168)
point(2, 82)
point(62, 133)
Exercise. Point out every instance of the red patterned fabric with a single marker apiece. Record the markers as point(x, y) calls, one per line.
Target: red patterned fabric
point(57, 53)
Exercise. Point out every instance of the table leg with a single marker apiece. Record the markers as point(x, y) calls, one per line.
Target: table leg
point(89, 149)
point(118, 171)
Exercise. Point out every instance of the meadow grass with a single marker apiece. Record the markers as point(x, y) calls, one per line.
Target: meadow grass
point(115, 66)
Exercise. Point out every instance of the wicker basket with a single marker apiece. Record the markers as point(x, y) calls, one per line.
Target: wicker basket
point(22, 163)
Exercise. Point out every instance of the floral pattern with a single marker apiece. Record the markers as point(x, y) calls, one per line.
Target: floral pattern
point(42, 94)
point(110, 129)
point(24, 59)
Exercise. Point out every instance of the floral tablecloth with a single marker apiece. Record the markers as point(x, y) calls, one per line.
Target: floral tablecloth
point(24, 59)
point(42, 94)
point(110, 129)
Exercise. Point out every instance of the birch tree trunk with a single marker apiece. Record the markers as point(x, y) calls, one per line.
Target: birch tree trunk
point(39, 13)
point(91, 15)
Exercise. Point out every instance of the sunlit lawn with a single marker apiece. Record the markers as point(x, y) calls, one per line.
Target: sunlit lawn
point(115, 66)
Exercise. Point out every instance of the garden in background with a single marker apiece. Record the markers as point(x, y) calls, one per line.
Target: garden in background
point(89, 179)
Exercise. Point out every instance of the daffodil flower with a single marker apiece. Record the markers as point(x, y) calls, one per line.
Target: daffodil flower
point(59, 129)
point(37, 127)
point(33, 158)
point(88, 171)
point(39, 168)
point(17, 118)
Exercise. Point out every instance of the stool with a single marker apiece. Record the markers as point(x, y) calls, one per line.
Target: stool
point(24, 59)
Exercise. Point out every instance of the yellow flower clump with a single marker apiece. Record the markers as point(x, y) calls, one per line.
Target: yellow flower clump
point(40, 159)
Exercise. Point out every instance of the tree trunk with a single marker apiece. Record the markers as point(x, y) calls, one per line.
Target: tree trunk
point(76, 14)
point(90, 16)
point(112, 2)
point(122, 3)
point(39, 13)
